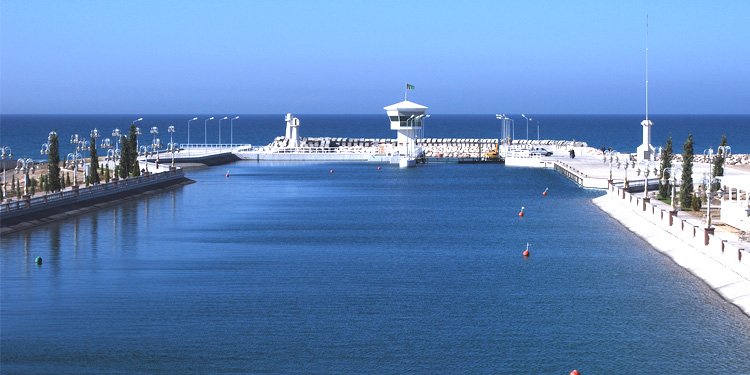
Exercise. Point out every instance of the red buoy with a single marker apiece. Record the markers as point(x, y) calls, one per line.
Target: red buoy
point(575, 372)
point(378, 168)
point(331, 170)
point(526, 252)
point(545, 191)
point(520, 214)
point(227, 175)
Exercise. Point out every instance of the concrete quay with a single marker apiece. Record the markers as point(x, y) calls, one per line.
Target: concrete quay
point(713, 255)
point(40, 209)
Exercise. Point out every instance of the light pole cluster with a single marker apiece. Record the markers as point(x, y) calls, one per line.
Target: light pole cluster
point(172, 147)
point(231, 131)
point(706, 190)
point(646, 164)
point(74, 160)
point(6, 151)
point(25, 165)
point(672, 171)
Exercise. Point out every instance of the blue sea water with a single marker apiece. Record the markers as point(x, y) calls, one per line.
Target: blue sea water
point(288, 268)
point(26, 133)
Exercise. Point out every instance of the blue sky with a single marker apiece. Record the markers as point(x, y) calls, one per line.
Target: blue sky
point(554, 57)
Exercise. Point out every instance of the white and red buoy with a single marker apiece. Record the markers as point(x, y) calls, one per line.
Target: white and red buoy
point(545, 192)
point(526, 252)
point(227, 175)
point(520, 214)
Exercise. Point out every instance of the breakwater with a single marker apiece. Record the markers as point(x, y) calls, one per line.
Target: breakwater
point(432, 147)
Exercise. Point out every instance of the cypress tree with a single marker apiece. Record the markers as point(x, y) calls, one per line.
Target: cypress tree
point(133, 154)
point(124, 158)
point(53, 163)
point(721, 157)
point(94, 163)
point(106, 175)
point(666, 162)
point(686, 190)
point(13, 185)
point(67, 180)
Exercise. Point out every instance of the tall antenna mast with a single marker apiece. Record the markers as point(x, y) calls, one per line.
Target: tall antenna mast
point(646, 67)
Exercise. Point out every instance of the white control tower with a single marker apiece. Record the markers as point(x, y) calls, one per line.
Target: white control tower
point(406, 118)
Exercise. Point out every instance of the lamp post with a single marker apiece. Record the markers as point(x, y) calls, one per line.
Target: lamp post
point(138, 132)
point(84, 145)
point(6, 151)
point(708, 183)
point(723, 152)
point(646, 170)
point(107, 145)
point(225, 117)
point(231, 131)
point(24, 165)
point(156, 145)
point(527, 125)
point(171, 147)
point(73, 160)
point(205, 133)
point(625, 166)
point(537, 130)
point(143, 151)
point(673, 172)
point(192, 119)
point(611, 154)
point(116, 133)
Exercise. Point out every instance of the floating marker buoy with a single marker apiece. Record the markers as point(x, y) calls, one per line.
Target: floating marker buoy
point(526, 252)
point(227, 174)
point(331, 170)
point(38, 260)
point(575, 372)
point(378, 168)
point(520, 214)
point(545, 191)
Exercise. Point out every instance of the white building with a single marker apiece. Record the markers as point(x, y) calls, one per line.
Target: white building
point(407, 119)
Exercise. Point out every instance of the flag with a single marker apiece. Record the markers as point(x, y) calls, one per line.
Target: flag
point(409, 87)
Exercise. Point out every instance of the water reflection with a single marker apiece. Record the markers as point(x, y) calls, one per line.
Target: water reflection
point(115, 213)
point(128, 227)
point(94, 234)
point(76, 223)
point(54, 248)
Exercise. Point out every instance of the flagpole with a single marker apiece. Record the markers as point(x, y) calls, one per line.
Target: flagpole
point(406, 91)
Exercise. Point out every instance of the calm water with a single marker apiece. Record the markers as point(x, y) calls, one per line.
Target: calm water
point(26, 133)
point(288, 268)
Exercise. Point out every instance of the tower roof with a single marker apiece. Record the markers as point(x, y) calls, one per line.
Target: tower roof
point(404, 105)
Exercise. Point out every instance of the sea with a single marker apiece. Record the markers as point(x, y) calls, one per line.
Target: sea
point(339, 268)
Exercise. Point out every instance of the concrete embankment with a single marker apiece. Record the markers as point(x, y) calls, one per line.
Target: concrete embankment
point(30, 212)
point(724, 265)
